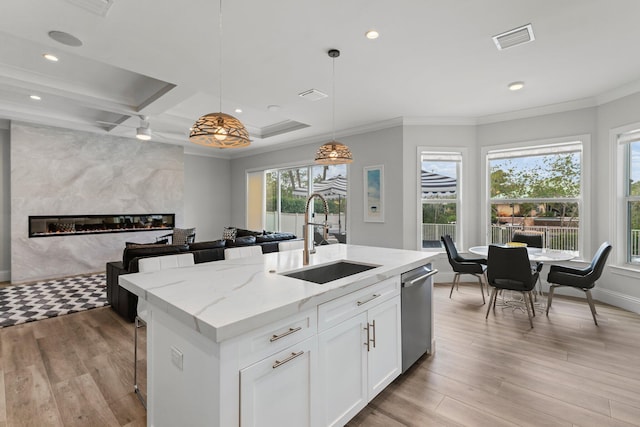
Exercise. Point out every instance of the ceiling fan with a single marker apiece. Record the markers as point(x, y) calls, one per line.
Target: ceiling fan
point(143, 132)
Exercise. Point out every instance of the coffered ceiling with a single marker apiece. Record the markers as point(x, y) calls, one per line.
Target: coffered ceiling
point(434, 62)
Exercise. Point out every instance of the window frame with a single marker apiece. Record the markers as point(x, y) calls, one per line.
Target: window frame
point(278, 170)
point(539, 147)
point(621, 140)
point(461, 153)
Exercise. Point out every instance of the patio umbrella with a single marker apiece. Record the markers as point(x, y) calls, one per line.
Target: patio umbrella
point(434, 184)
point(330, 188)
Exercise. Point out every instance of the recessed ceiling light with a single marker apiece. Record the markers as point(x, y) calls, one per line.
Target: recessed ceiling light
point(273, 107)
point(238, 110)
point(50, 57)
point(516, 85)
point(35, 97)
point(372, 34)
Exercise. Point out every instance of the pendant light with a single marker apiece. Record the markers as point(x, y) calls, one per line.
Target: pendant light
point(219, 130)
point(334, 152)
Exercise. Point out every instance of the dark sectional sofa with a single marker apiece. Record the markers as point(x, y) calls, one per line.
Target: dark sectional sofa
point(125, 303)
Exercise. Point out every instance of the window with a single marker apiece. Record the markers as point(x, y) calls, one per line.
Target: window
point(287, 190)
point(440, 196)
point(630, 144)
point(537, 189)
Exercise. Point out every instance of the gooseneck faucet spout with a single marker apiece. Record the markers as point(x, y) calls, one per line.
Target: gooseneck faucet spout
point(307, 223)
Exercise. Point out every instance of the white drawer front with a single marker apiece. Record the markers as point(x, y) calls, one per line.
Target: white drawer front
point(276, 336)
point(333, 312)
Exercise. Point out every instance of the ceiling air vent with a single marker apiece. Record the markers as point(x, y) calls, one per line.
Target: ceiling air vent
point(514, 37)
point(312, 95)
point(99, 7)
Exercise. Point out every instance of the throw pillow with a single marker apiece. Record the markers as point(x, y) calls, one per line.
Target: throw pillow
point(180, 235)
point(229, 233)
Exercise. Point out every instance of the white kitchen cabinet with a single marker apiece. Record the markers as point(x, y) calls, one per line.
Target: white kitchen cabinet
point(342, 369)
point(361, 355)
point(385, 349)
point(277, 391)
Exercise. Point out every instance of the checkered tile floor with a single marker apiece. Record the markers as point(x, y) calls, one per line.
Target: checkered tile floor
point(51, 298)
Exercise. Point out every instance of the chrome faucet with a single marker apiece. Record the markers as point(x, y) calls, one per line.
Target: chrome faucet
point(305, 233)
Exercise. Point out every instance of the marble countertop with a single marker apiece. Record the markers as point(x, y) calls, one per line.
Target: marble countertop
point(223, 299)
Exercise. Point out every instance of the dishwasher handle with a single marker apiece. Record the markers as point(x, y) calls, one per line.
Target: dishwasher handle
point(419, 278)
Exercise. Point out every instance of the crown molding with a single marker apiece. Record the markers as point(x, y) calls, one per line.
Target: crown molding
point(538, 111)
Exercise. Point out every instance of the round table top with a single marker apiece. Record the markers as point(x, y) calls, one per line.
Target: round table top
point(535, 254)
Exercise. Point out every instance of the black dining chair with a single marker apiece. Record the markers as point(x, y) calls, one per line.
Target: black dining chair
point(510, 269)
point(583, 279)
point(532, 240)
point(460, 265)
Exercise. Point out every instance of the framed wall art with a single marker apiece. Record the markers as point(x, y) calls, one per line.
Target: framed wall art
point(374, 193)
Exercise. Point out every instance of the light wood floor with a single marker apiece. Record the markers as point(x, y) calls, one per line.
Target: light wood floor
point(76, 370)
point(564, 372)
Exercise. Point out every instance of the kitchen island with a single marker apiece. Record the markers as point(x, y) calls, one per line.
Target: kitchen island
point(237, 342)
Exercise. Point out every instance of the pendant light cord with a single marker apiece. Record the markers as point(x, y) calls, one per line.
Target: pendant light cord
point(333, 99)
point(220, 59)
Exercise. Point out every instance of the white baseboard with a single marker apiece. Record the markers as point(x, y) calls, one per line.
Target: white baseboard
point(5, 275)
point(617, 299)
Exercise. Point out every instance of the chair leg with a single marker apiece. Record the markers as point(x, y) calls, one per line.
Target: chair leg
point(591, 306)
point(494, 295)
point(481, 290)
point(524, 297)
point(550, 297)
point(453, 284)
point(138, 323)
point(486, 281)
point(533, 310)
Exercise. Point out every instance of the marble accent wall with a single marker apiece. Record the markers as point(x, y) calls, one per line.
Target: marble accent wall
point(64, 172)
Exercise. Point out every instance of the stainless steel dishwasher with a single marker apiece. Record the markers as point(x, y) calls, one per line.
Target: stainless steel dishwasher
point(417, 315)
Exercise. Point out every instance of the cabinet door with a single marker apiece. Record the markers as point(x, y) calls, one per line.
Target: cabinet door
point(385, 353)
point(342, 375)
point(277, 391)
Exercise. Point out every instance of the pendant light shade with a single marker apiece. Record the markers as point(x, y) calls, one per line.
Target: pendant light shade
point(219, 130)
point(334, 152)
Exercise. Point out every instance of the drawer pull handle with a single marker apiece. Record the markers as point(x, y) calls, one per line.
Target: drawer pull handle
point(288, 359)
point(284, 334)
point(370, 299)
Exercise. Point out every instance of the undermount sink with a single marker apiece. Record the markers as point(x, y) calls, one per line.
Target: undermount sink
point(330, 272)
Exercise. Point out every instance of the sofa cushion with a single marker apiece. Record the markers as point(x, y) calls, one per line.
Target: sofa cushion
point(132, 252)
point(242, 241)
point(229, 233)
point(241, 232)
point(208, 245)
point(180, 235)
point(274, 237)
point(208, 255)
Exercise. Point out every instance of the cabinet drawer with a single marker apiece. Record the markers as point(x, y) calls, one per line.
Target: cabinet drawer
point(274, 337)
point(333, 312)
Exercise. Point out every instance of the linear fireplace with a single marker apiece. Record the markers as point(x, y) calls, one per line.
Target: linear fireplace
point(66, 225)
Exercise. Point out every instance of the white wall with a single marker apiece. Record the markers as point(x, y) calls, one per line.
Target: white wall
point(5, 205)
point(207, 192)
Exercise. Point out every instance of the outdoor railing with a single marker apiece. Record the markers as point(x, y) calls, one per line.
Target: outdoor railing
point(563, 238)
point(431, 234)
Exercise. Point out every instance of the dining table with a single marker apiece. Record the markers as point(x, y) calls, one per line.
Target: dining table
point(536, 255)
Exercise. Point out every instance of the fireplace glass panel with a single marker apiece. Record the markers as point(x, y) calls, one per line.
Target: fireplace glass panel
point(45, 226)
